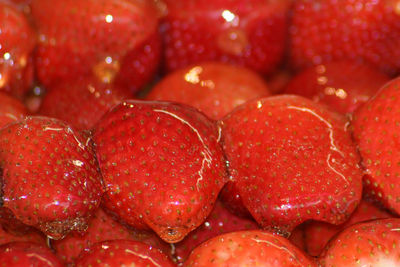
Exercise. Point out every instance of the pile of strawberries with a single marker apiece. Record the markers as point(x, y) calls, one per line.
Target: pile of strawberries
point(199, 133)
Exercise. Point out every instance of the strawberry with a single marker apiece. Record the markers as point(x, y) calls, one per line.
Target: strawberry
point(373, 243)
point(101, 228)
point(11, 109)
point(91, 99)
point(248, 248)
point(220, 221)
point(31, 236)
point(212, 87)
point(375, 130)
point(17, 41)
point(115, 40)
point(50, 176)
point(344, 86)
point(278, 80)
point(11, 224)
point(123, 253)
point(231, 198)
point(162, 165)
point(241, 32)
point(297, 237)
point(317, 234)
point(292, 160)
point(359, 30)
point(22, 254)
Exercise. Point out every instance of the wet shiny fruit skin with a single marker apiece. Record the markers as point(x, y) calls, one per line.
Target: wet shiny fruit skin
point(247, 33)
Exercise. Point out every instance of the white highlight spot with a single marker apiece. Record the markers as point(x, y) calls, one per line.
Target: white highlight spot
point(109, 18)
point(6, 56)
point(228, 15)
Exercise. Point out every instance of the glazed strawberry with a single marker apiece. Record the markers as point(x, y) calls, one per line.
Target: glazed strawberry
point(372, 243)
point(359, 30)
point(241, 32)
point(292, 160)
point(17, 41)
point(162, 165)
point(50, 176)
point(31, 236)
point(317, 234)
point(11, 109)
point(214, 88)
point(82, 102)
point(231, 198)
point(116, 40)
point(248, 248)
point(279, 79)
point(297, 237)
point(123, 253)
point(344, 86)
point(101, 228)
point(22, 254)
point(220, 221)
point(375, 129)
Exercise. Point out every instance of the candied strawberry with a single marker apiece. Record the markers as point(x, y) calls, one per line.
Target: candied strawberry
point(248, 248)
point(317, 234)
point(101, 228)
point(17, 41)
point(250, 33)
point(373, 243)
point(50, 176)
point(278, 80)
point(123, 253)
point(214, 88)
point(33, 236)
point(297, 237)
point(162, 165)
point(82, 102)
point(11, 109)
point(375, 129)
point(22, 254)
point(344, 86)
point(359, 30)
point(220, 221)
point(231, 198)
point(115, 40)
point(292, 160)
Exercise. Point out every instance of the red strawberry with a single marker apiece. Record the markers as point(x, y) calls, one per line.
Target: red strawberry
point(31, 236)
point(123, 253)
point(297, 237)
point(374, 243)
point(376, 131)
point(360, 30)
point(162, 165)
point(248, 248)
point(101, 228)
point(218, 222)
point(82, 102)
point(278, 80)
point(22, 254)
point(213, 88)
point(50, 176)
point(317, 234)
point(292, 160)
point(250, 33)
point(343, 86)
point(231, 198)
point(10, 109)
point(17, 41)
point(115, 40)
